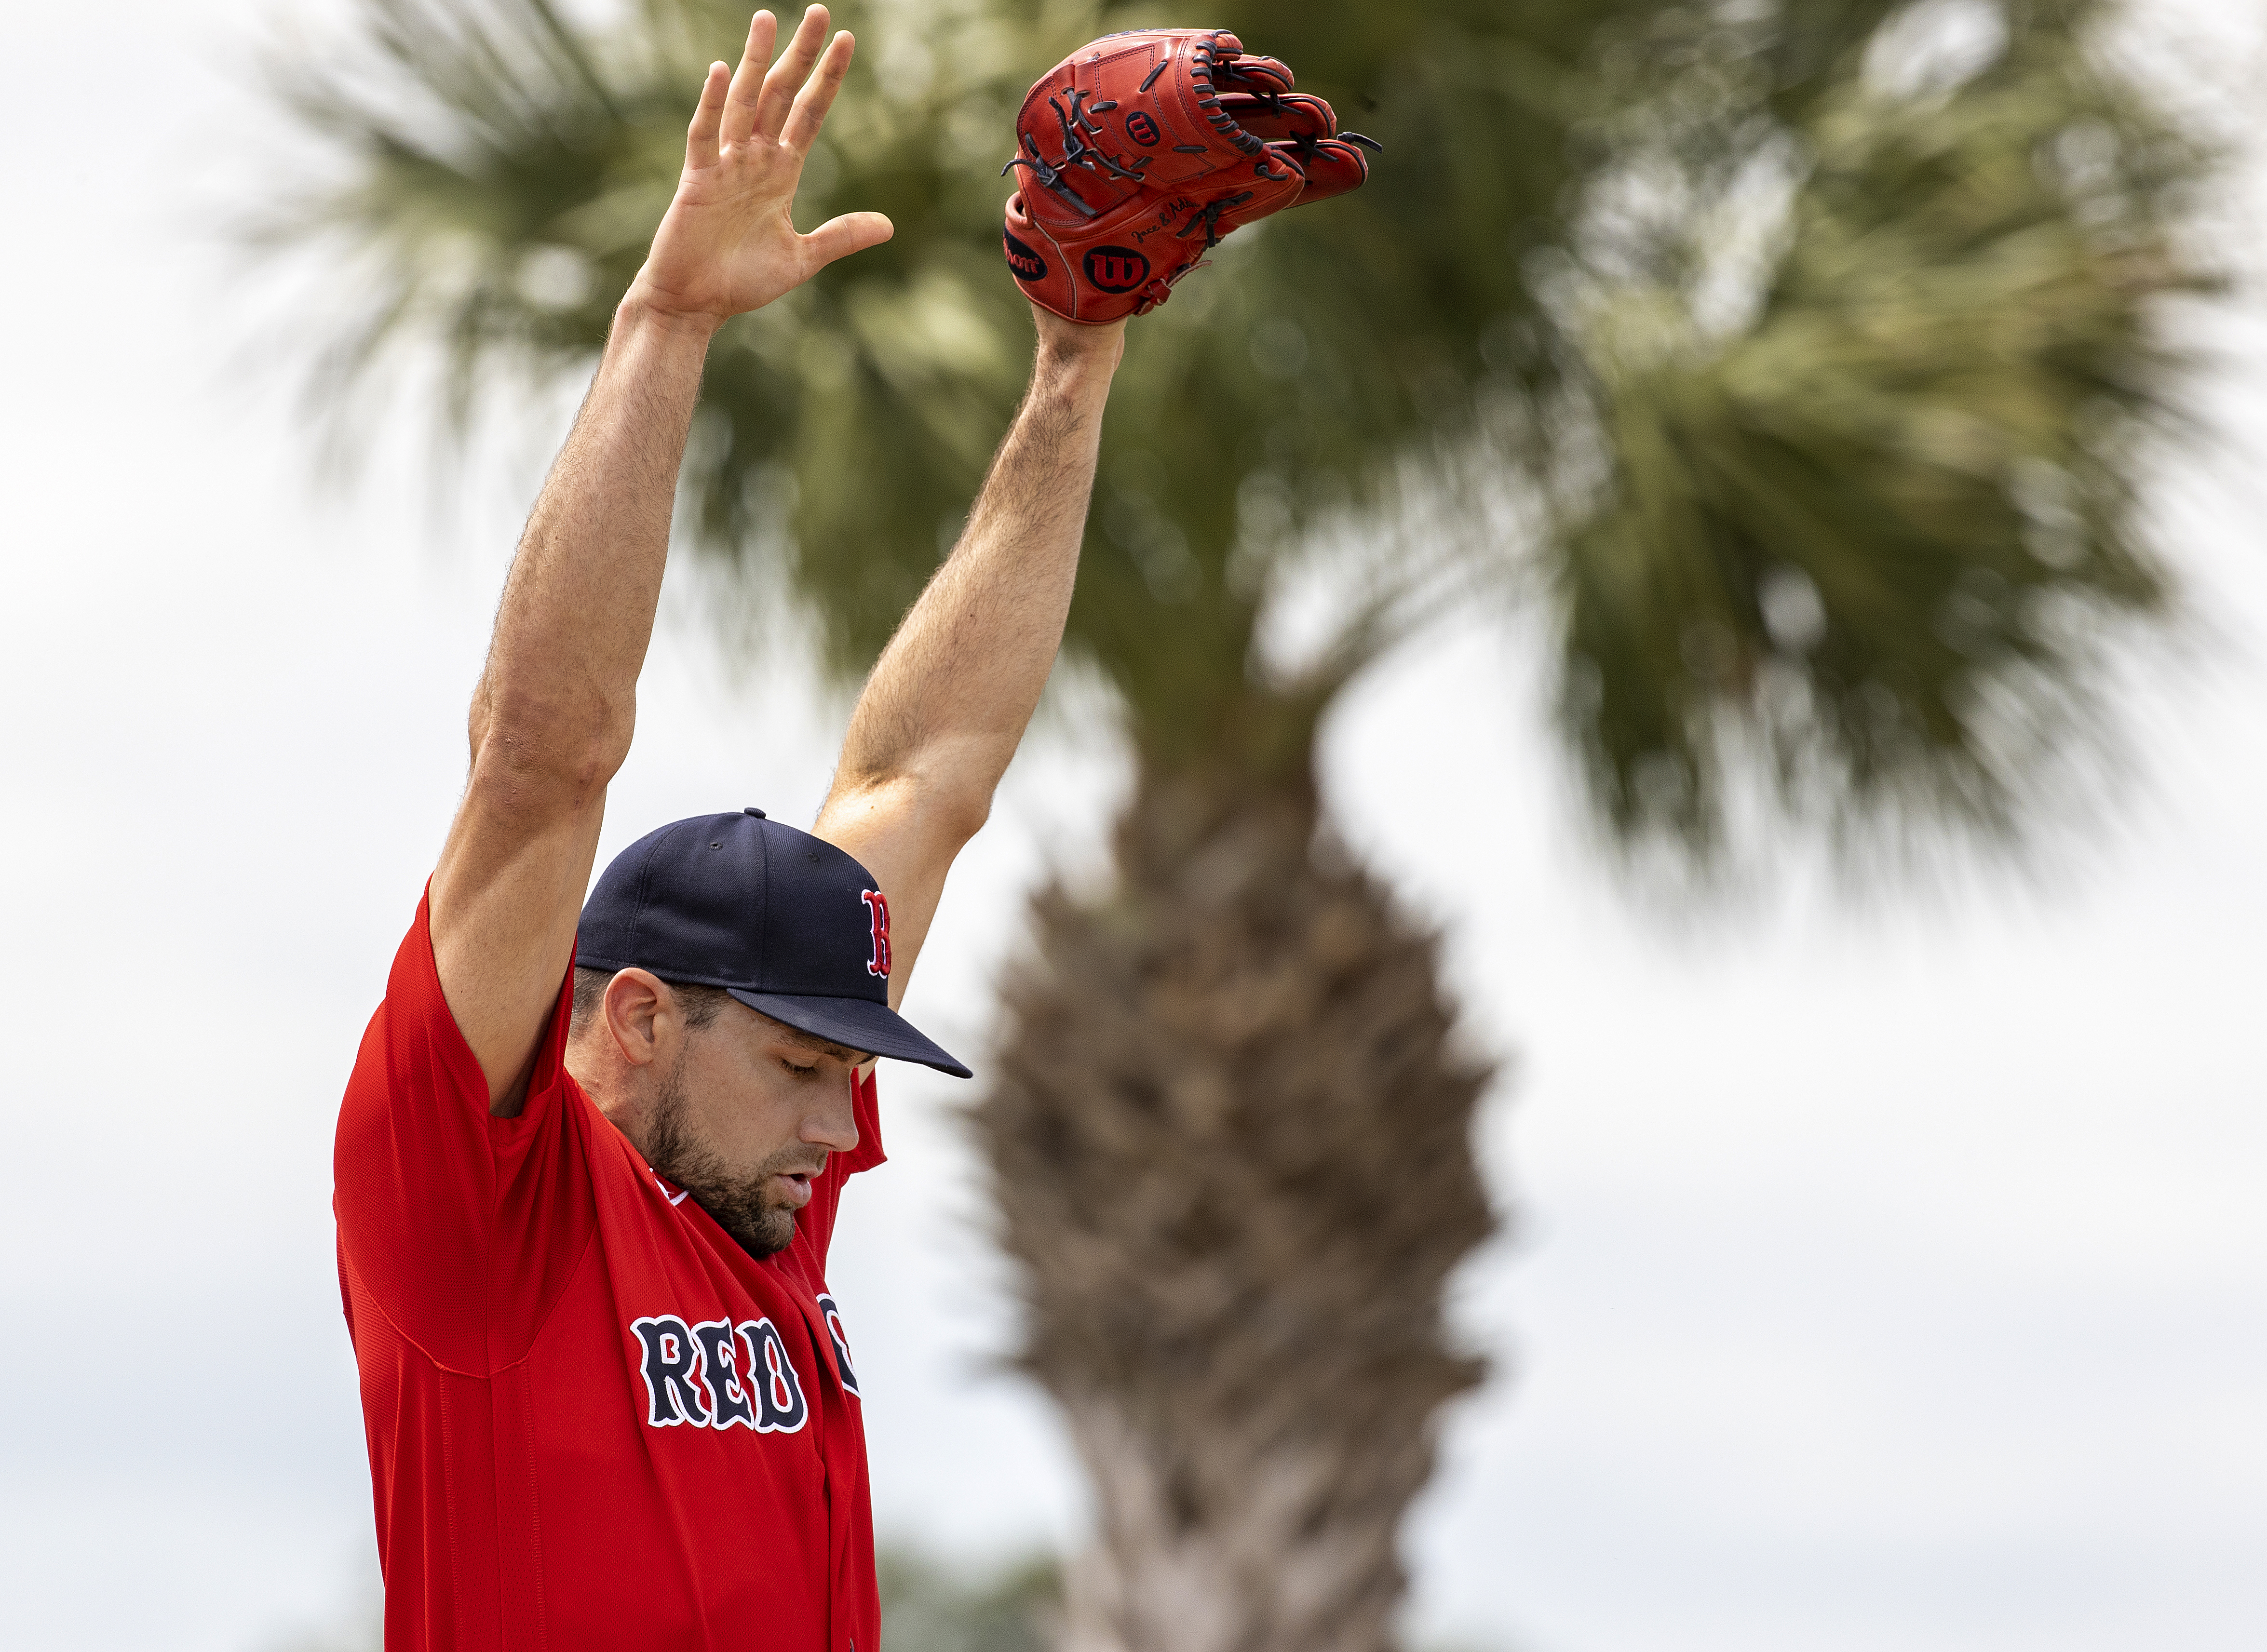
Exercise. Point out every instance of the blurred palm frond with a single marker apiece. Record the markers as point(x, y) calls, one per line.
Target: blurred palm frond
point(1810, 344)
point(1861, 516)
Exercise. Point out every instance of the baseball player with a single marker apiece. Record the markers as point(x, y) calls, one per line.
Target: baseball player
point(591, 1152)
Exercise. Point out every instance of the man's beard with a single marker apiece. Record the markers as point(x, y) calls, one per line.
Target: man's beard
point(759, 1227)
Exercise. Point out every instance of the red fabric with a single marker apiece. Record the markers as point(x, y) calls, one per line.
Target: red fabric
point(494, 1272)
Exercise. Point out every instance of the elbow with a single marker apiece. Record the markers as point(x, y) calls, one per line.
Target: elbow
point(960, 813)
point(952, 782)
point(549, 750)
point(944, 814)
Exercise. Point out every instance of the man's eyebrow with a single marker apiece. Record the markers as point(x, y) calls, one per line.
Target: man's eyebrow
point(797, 1037)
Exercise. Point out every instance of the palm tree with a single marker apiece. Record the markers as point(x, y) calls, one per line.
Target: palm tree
point(1798, 358)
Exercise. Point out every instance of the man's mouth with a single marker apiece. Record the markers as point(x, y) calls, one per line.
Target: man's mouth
point(798, 1187)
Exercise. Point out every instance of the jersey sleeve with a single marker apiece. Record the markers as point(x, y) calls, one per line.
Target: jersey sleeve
point(816, 1220)
point(461, 1228)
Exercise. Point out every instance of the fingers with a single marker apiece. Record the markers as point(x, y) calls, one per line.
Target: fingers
point(740, 108)
point(707, 118)
point(788, 74)
point(1332, 167)
point(817, 94)
point(1251, 72)
point(1273, 120)
point(839, 237)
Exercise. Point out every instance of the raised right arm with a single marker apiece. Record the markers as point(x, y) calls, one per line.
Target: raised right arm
point(552, 718)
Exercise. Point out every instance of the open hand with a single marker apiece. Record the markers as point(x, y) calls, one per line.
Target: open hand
point(727, 243)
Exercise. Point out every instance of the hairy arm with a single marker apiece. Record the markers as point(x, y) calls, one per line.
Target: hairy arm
point(948, 699)
point(552, 718)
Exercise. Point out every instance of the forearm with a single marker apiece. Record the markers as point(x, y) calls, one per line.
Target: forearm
point(559, 690)
point(952, 694)
point(552, 717)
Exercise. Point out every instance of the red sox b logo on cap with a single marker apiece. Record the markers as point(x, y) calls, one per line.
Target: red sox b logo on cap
point(878, 910)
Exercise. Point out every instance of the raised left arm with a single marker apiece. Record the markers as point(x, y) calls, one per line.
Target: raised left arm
point(948, 699)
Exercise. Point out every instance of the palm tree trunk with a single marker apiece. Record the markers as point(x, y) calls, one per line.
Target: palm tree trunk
point(1231, 1135)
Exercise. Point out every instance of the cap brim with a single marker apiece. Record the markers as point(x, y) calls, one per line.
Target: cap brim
point(860, 1023)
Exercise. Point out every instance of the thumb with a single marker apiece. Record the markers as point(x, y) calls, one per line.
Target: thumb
point(852, 232)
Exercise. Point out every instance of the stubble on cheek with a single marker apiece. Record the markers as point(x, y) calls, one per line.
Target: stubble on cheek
point(761, 1225)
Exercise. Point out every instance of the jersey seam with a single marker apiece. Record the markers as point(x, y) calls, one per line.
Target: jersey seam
point(399, 1329)
point(346, 1254)
point(535, 1499)
point(544, 1324)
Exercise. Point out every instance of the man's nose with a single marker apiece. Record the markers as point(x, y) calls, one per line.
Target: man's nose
point(834, 1126)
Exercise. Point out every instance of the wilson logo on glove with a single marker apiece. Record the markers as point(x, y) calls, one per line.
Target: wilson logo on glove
point(1025, 264)
point(1220, 141)
point(1116, 268)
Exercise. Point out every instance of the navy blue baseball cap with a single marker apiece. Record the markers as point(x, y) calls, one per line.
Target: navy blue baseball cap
point(784, 922)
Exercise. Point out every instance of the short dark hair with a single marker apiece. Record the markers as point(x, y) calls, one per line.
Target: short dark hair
point(699, 1005)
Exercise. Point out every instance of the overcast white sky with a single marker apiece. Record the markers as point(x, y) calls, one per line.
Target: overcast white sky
point(1880, 1279)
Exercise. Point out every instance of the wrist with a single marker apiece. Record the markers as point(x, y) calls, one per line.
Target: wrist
point(1075, 353)
point(1076, 372)
point(1072, 373)
point(641, 311)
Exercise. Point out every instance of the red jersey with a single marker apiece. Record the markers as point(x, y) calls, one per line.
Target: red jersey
point(594, 1421)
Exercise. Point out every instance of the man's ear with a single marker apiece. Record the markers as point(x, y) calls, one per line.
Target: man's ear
point(640, 1015)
